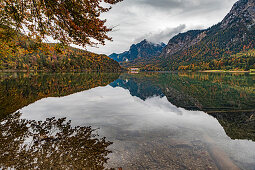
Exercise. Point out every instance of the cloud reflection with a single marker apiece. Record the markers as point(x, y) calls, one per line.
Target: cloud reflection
point(121, 116)
point(108, 106)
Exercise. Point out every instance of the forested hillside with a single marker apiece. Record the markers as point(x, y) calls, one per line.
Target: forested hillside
point(218, 50)
point(18, 52)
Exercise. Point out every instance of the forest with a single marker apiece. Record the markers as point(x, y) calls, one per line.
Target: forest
point(244, 60)
point(19, 52)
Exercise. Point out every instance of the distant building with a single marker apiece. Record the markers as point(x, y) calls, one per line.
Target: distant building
point(134, 69)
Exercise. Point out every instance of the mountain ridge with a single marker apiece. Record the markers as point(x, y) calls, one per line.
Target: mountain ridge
point(212, 48)
point(143, 49)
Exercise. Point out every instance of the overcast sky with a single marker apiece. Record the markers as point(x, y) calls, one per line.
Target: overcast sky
point(158, 20)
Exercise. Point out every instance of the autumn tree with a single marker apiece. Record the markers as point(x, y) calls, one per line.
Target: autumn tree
point(69, 21)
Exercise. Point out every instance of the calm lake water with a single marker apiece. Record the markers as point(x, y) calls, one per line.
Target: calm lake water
point(155, 120)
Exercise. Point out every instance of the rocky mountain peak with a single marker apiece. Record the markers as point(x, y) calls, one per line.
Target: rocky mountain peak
point(243, 12)
point(143, 49)
point(241, 16)
point(145, 41)
point(147, 44)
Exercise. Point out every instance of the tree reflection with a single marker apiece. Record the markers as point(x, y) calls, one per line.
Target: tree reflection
point(53, 143)
point(18, 90)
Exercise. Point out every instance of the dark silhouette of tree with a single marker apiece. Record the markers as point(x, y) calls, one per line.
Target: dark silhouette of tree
point(53, 143)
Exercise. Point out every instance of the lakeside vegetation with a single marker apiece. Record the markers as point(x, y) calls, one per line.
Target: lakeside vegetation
point(19, 52)
point(243, 61)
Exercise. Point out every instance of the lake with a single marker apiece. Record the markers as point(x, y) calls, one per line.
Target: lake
point(172, 120)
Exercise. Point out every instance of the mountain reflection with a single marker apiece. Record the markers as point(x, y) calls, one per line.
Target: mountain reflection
point(143, 90)
point(199, 91)
point(53, 143)
point(229, 98)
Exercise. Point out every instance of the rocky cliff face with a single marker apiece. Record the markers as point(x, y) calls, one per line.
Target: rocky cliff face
point(243, 12)
point(183, 41)
point(144, 49)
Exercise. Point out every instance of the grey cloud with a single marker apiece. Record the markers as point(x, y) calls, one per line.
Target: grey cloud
point(188, 5)
point(163, 35)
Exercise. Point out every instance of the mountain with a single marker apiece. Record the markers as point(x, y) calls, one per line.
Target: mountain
point(144, 49)
point(183, 41)
point(226, 45)
point(18, 52)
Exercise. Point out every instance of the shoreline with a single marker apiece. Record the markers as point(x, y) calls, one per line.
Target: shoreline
point(56, 71)
point(65, 71)
point(223, 71)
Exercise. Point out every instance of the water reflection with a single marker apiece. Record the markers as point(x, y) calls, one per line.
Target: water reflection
point(202, 91)
point(21, 89)
point(143, 89)
point(158, 121)
point(53, 143)
point(150, 133)
point(237, 124)
point(228, 97)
